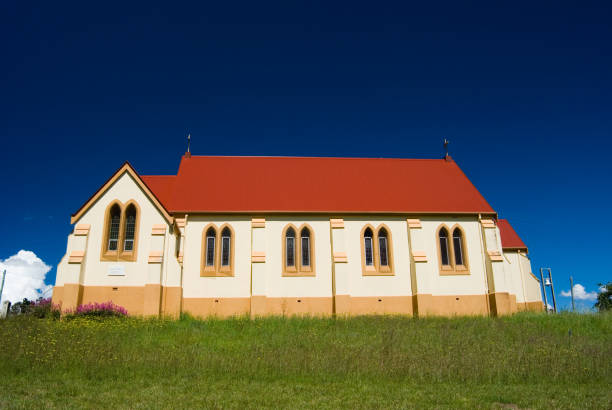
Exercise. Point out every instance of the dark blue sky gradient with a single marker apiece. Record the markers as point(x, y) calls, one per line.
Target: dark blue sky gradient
point(522, 91)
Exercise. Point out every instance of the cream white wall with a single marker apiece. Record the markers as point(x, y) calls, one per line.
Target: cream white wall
point(472, 284)
point(277, 285)
point(238, 286)
point(395, 285)
point(93, 271)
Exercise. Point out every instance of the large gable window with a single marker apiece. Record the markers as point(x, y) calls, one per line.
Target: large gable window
point(121, 232)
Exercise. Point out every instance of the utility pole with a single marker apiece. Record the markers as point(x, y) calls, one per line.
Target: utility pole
point(572, 291)
point(544, 289)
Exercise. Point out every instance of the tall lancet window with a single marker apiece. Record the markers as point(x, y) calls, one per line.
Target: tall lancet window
point(458, 246)
point(444, 255)
point(226, 241)
point(290, 248)
point(368, 244)
point(305, 247)
point(130, 228)
point(210, 246)
point(383, 249)
point(113, 227)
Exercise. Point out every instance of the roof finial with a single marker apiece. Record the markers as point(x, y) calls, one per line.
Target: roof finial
point(188, 153)
point(446, 156)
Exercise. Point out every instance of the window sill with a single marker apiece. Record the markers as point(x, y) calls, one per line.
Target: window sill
point(211, 274)
point(457, 272)
point(377, 273)
point(298, 274)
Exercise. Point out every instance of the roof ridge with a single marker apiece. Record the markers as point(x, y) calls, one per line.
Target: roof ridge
point(314, 157)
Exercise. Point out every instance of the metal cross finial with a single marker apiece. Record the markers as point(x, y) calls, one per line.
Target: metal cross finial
point(446, 147)
point(188, 142)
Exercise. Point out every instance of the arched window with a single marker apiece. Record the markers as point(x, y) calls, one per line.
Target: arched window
point(368, 246)
point(290, 248)
point(305, 251)
point(130, 228)
point(458, 247)
point(444, 254)
point(210, 247)
point(226, 241)
point(114, 222)
point(383, 250)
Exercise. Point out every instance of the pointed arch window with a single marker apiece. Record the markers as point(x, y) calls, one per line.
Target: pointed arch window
point(444, 248)
point(458, 246)
point(211, 238)
point(376, 249)
point(368, 244)
point(217, 251)
point(452, 251)
point(130, 228)
point(305, 250)
point(290, 248)
point(383, 250)
point(226, 244)
point(298, 251)
point(114, 222)
point(120, 238)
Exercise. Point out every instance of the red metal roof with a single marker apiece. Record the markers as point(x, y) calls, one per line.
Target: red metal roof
point(509, 237)
point(307, 184)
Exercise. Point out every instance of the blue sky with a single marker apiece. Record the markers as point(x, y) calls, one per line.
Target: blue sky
point(521, 90)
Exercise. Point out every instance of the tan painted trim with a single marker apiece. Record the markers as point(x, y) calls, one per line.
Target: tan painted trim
point(377, 269)
point(258, 257)
point(414, 223)
point(495, 256)
point(125, 168)
point(156, 257)
point(289, 270)
point(82, 230)
point(336, 223)
point(487, 223)
point(419, 256)
point(76, 257)
point(158, 230)
point(180, 222)
point(340, 257)
point(298, 269)
point(180, 257)
point(258, 222)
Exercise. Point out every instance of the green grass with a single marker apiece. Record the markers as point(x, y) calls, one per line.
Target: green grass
point(525, 361)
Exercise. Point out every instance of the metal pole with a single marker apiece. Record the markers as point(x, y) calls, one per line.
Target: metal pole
point(544, 290)
point(2, 285)
point(552, 290)
point(572, 291)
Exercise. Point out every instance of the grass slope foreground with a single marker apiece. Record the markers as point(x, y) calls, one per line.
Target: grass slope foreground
point(522, 361)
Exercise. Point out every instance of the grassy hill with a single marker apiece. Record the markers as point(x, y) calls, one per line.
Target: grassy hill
point(527, 360)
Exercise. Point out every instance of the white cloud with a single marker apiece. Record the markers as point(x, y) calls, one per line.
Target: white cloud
point(580, 293)
point(25, 277)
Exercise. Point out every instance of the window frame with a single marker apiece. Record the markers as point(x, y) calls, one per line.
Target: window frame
point(216, 269)
point(452, 268)
point(376, 269)
point(298, 269)
point(129, 255)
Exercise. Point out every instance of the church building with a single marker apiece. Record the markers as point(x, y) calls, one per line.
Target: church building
point(295, 235)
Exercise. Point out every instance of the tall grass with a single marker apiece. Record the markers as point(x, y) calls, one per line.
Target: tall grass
point(570, 352)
